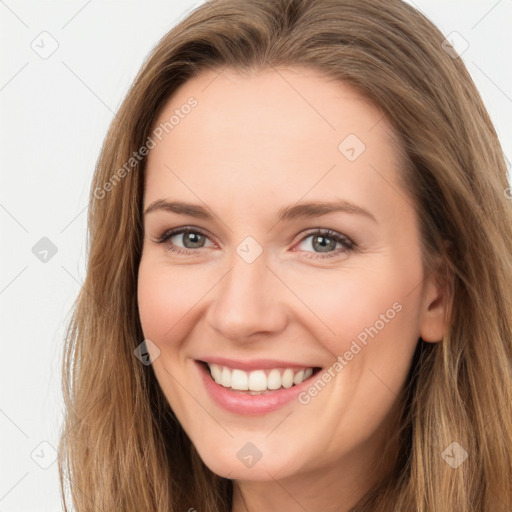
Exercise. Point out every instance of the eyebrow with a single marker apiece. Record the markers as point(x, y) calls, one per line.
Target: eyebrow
point(294, 211)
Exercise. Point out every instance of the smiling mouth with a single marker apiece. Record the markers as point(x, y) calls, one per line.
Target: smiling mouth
point(258, 382)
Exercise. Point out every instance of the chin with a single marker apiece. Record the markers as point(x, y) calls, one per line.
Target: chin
point(246, 462)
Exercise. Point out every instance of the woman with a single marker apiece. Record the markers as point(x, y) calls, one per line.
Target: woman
point(297, 294)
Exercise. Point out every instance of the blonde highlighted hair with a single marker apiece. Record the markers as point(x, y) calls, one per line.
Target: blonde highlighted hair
point(121, 446)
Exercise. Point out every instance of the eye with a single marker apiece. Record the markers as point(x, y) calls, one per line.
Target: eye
point(325, 241)
point(191, 238)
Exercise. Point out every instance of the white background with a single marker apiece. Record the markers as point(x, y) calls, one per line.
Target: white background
point(54, 116)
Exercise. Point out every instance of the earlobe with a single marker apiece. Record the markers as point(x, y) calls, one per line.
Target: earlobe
point(437, 298)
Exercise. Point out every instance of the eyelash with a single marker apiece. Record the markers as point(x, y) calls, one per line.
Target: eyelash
point(350, 246)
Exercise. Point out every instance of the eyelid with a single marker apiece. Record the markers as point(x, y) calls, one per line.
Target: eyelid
point(169, 233)
point(350, 245)
point(330, 233)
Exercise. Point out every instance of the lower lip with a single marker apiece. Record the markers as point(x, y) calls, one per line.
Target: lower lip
point(249, 405)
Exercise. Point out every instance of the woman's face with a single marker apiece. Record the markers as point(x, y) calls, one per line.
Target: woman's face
point(302, 255)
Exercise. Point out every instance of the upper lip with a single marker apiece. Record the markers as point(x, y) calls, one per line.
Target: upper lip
point(254, 364)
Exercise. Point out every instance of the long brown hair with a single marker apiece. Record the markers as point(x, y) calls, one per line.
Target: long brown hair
point(122, 447)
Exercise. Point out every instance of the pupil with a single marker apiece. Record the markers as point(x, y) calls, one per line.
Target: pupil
point(324, 247)
point(193, 238)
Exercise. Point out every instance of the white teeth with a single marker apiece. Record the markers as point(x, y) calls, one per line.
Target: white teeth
point(239, 380)
point(287, 378)
point(216, 372)
point(299, 377)
point(225, 378)
point(258, 380)
point(274, 379)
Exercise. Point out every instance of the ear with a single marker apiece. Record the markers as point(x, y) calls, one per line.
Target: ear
point(436, 303)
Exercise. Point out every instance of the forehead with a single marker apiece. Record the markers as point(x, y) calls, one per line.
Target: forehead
point(287, 130)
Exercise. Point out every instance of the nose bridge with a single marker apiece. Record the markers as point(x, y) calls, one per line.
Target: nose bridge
point(247, 300)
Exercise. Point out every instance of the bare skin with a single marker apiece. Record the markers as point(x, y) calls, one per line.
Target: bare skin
point(252, 146)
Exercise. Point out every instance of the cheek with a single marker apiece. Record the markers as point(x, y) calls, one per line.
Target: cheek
point(369, 325)
point(165, 297)
point(358, 304)
point(157, 304)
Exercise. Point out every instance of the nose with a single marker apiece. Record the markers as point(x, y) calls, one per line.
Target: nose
point(248, 301)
